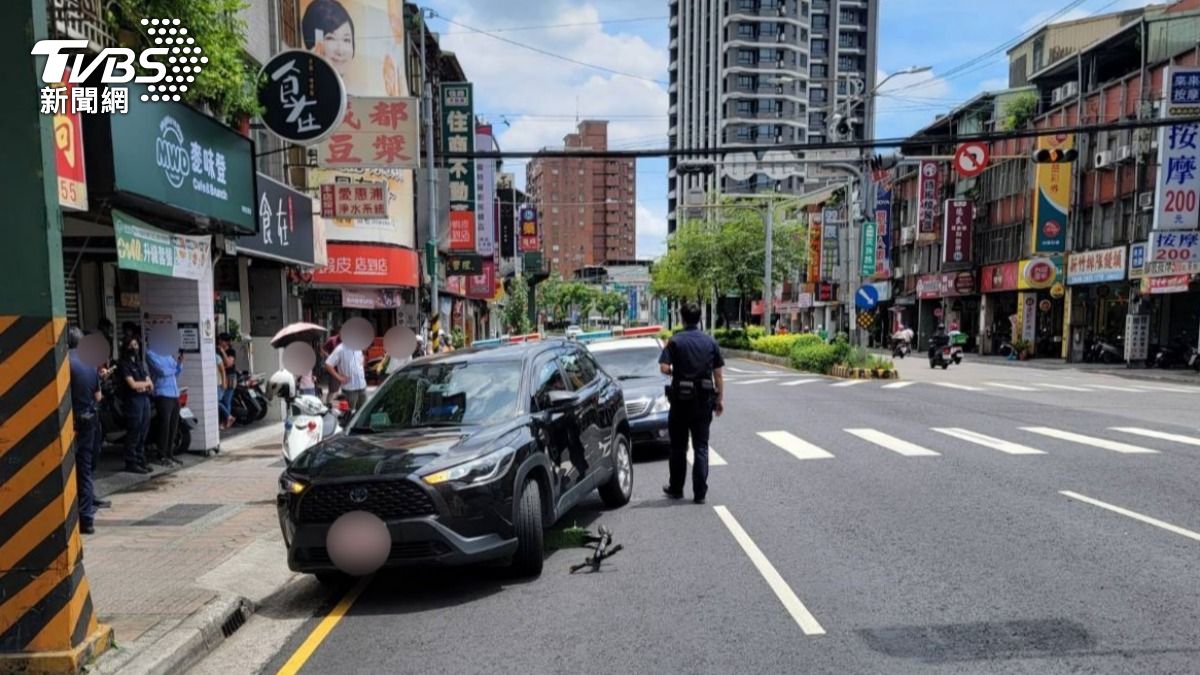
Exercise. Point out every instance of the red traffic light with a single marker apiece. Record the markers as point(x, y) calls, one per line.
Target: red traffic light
point(1055, 156)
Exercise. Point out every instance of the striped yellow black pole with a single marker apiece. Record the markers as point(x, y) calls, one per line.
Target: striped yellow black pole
point(435, 327)
point(47, 622)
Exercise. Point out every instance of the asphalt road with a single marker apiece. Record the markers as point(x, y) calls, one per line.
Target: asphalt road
point(985, 519)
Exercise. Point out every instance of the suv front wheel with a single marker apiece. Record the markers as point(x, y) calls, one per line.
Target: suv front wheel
point(527, 561)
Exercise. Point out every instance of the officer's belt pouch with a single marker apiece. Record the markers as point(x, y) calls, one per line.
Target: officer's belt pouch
point(685, 390)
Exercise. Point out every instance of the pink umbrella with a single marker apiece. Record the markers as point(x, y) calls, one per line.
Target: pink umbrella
point(295, 332)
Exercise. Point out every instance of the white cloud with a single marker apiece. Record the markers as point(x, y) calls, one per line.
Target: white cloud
point(651, 232)
point(907, 103)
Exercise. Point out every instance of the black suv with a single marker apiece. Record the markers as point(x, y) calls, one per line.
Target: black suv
point(466, 457)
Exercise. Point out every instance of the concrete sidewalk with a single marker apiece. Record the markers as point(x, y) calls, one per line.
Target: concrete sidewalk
point(1180, 375)
point(181, 559)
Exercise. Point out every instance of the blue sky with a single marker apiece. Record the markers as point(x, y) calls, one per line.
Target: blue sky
point(533, 99)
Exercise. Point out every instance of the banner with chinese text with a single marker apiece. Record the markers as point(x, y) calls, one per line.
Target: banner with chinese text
point(883, 218)
point(354, 200)
point(814, 249)
point(1177, 197)
point(927, 200)
point(376, 132)
point(1052, 197)
point(957, 229)
point(458, 136)
point(530, 236)
point(485, 195)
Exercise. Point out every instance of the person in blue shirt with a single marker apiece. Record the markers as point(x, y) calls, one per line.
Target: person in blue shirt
point(85, 394)
point(164, 371)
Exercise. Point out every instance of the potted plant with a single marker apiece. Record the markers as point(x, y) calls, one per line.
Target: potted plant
point(1023, 348)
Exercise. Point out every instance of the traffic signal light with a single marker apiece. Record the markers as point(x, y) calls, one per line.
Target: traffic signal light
point(1055, 156)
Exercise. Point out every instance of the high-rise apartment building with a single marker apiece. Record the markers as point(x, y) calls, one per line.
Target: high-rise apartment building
point(765, 73)
point(586, 206)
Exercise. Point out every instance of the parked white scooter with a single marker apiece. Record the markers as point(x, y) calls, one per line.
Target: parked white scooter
point(309, 421)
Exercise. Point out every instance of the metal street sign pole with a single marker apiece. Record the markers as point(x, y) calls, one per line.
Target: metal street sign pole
point(431, 182)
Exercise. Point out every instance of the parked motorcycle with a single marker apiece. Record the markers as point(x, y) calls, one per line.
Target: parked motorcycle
point(249, 401)
point(309, 420)
point(1174, 354)
point(1103, 350)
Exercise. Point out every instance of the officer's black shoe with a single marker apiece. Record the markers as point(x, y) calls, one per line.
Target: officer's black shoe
point(698, 500)
point(87, 528)
point(102, 503)
point(671, 493)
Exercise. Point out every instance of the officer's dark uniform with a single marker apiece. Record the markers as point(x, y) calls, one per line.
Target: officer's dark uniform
point(692, 355)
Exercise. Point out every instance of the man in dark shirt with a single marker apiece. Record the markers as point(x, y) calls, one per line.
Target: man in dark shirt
point(85, 393)
point(693, 360)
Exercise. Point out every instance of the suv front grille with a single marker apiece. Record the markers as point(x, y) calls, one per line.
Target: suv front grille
point(637, 407)
point(389, 500)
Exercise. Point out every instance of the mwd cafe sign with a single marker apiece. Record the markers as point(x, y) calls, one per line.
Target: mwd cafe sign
point(172, 161)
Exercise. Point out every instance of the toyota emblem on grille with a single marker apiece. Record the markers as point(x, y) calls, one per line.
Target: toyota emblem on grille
point(359, 495)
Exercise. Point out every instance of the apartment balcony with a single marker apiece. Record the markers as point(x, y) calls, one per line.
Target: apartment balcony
point(80, 20)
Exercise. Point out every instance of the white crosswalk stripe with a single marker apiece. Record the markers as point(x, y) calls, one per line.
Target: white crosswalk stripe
point(988, 441)
point(1014, 387)
point(1161, 435)
point(1063, 387)
point(1177, 390)
point(962, 387)
point(794, 383)
point(759, 381)
point(1104, 443)
point(796, 446)
point(849, 383)
point(898, 385)
point(713, 458)
point(1109, 387)
point(892, 443)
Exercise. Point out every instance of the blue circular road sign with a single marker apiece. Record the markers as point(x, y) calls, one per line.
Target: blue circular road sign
point(867, 297)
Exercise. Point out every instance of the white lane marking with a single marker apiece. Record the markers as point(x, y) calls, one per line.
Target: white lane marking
point(1131, 390)
point(898, 385)
point(1133, 514)
point(807, 622)
point(1104, 443)
point(752, 372)
point(1177, 390)
point(951, 385)
point(892, 443)
point(798, 447)
point(989, 441)
point(1014, 387)
point(735, 369)
point(713, 458)
point(1150, 433)
point(1064, 387)
point(848, 383)
point(759, 381)
point(796, 382)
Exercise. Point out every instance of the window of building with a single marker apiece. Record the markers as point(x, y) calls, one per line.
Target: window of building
point(820, 48)
point(841, 87)
point(804, 9)
point(745, 31)
point(819, 71)
point(745, 57)
point(848, 63)
point(816, 119)
point(745, 107)
point(820, 22)
point(818, 95)
point(745, 82)
point(746, 5)
point(742, 133)
point(815, 138)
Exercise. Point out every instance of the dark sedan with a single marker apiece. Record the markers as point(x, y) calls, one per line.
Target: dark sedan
point(466, 457)
point(634, 362)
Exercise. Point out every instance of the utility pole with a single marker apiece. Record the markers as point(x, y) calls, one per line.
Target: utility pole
point(47, 621)
point(431, 182)
point(768, 292)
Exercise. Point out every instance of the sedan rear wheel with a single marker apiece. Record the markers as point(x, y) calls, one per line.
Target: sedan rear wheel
point(527, 561)
point(617, 491)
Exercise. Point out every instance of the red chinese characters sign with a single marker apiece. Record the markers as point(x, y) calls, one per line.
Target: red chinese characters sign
point(529, 236)
point(997, 278)
point(379, 133)
point(927, 200)
point(956, 232)
point(369, 265)
point(354, 200)
point(68, 155)
point(462, 230)
point(483, 286)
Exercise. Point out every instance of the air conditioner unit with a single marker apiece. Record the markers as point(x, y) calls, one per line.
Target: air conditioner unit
point(1056, 96)
point(1124, 153)
point(1070, 89)
point(1146, 201)
point(1103, 159)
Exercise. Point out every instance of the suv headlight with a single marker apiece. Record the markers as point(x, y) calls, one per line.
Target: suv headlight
point(475, 471)
point(291, 486)
point(661, 404)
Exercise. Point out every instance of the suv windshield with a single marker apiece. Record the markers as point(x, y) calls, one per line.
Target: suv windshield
point(624, 364)
point(444, 394)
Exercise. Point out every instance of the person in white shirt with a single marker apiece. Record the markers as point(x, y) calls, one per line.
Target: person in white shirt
point(346, 366)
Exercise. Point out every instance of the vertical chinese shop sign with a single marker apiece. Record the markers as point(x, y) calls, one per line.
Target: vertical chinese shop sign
point(458, 136)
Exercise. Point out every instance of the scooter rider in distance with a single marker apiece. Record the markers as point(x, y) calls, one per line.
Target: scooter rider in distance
point(937, 341)
point(693, 360)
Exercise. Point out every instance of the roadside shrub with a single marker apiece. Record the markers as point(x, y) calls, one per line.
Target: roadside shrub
point(809, 339)
point(813, 357)
point(881, 363)
point(755, 332)
point(775, 345)
point(841, 349)
point(732, 338)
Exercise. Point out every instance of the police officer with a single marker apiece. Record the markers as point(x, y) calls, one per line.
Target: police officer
point(694, 362)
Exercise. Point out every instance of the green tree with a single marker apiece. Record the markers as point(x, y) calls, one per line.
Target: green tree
point(516, 312)
point(228, 82)
point(1019, 111)
point(612, 305)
